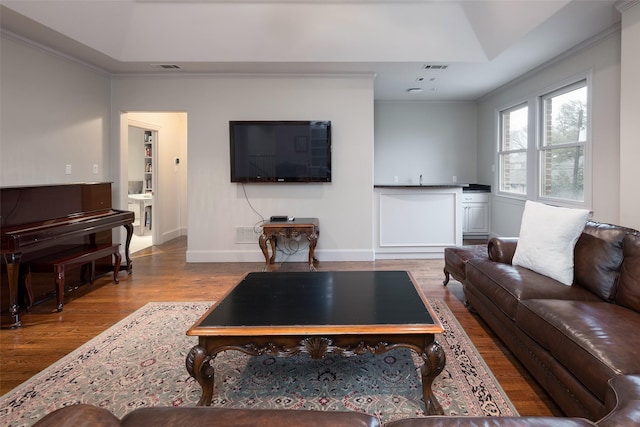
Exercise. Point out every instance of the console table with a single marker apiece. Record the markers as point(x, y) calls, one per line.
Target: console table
point(271, 230)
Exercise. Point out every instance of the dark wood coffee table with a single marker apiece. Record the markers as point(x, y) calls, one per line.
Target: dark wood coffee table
point(316, 313)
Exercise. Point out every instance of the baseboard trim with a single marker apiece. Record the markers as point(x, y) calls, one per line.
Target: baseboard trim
point(257, 256)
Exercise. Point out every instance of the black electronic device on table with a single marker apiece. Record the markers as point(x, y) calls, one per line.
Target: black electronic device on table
point(281, 218)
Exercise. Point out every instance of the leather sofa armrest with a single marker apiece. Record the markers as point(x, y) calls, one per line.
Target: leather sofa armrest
point(623, 402)
point(501, 249)
point(462, 421)
point(80, 415)
point(236, 417)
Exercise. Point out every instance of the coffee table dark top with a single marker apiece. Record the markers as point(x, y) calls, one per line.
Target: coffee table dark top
point(280, 303)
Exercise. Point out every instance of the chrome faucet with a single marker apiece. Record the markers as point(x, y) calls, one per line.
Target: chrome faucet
point(420, 179)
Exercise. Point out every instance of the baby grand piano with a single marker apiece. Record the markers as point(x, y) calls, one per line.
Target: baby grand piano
point(39, 220)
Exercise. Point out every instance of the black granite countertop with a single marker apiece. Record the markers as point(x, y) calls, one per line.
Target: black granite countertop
point(416, 186)
point(467, 188)
point(477, 188)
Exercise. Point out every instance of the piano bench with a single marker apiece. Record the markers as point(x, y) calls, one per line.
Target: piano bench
point(85, 255)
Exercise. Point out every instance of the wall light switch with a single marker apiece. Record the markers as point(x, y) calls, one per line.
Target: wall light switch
point(96, 169)
point(67, 169)
point(395, 178)
point(454, 178)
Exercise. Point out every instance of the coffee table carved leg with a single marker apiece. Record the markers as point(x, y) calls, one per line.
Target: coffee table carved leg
point(199, 367)
point(434, 360)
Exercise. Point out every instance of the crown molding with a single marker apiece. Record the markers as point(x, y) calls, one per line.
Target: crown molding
point(9, 35)
point(624, 5)
point(614, 29)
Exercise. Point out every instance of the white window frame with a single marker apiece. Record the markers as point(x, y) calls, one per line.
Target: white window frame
point(535, 123)
point(500, 152)
point(561, 88)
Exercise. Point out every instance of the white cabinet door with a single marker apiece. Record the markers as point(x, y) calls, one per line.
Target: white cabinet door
point(477, 218)
point(475, 209)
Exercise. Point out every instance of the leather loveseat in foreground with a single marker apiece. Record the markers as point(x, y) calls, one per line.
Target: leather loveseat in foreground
point(572, 339)
point(622, 403)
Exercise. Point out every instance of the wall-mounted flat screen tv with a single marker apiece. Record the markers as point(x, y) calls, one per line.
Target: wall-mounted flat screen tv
point(280, 151)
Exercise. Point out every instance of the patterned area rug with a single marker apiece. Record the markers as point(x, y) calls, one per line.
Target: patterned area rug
point(140, 361)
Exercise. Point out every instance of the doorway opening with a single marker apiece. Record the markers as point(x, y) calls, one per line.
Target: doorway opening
point(140, 186)
point(156, 181)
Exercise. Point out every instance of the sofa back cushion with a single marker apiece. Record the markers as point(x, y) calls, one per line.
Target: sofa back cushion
point(628, 292)
point(548, 236)
point(597, 258)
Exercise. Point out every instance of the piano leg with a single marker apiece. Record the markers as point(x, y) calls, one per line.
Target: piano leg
point(60, 278)
point(129, 228)
point(13, 273)
point(116, 266)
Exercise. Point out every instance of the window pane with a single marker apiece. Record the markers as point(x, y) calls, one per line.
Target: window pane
point(563, 173)
point(514, 129)
point(513, 168)
point(565, 117)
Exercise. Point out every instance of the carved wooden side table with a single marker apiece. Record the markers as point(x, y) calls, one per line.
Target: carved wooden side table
point(296, 228)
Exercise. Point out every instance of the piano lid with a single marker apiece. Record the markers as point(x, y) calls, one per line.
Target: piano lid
point(35, 217)
point(29, 204)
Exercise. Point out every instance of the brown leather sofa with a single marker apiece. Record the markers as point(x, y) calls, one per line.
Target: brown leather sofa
point(622, 402)
point(572, 339)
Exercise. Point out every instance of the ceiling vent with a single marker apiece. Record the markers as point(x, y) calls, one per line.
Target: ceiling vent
point(434, 67)
point(166, 66)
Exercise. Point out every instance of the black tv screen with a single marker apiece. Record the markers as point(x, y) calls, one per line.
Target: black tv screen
point(280, 151)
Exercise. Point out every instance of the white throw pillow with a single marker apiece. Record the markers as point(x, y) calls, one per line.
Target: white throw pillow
point(548, 235)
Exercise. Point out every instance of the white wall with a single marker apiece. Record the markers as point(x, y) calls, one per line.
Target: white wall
point(435, 139)
point(53, 112)
point(136, 154)
point(216, 206)
point(630, 112)
point(603, 59)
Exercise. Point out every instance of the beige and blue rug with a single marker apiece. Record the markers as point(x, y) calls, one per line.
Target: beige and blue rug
point(140, 361)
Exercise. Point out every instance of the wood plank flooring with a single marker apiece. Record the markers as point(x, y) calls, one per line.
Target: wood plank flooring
point(160, 273)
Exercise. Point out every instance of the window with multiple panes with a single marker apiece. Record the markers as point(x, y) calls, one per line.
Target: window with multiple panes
point(558, 159)
point(562, 143)
point(512, 152)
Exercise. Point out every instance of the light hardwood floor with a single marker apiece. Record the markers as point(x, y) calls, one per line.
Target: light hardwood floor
point(160, 273)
